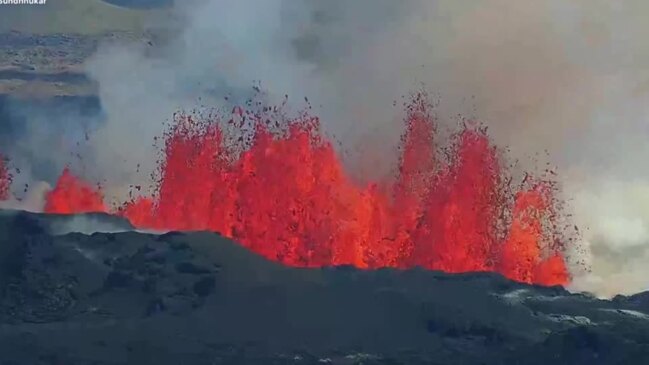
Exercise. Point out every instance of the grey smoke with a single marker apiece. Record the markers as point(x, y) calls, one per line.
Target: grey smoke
point(569, 78)
point(43, 136)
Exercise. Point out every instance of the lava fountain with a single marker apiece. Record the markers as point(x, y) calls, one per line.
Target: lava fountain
point(283, 192)
point(5, 180)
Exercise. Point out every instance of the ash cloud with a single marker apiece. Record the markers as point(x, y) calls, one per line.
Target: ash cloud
point(569, 78)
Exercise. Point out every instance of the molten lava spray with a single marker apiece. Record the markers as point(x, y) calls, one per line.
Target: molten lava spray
point(5, 180)
point(286, 195)
point(71, 195)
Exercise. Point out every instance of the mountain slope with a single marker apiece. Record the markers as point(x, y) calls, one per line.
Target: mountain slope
point(129, 297)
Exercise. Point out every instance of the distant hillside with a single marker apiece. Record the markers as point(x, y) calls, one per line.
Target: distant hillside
point(79, 17)
point(43, 47)
point(50, 64)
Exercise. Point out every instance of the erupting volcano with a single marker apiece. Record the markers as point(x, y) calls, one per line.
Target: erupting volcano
point(281, 190)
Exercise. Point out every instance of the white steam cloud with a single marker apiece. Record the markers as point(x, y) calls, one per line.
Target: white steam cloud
point(569, 77)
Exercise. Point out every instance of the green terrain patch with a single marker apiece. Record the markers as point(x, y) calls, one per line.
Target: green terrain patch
point(77, 17)
point(43, 48)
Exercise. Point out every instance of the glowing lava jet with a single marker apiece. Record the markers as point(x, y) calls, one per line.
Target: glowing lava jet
point(5, 180)
point(286, 195)
point(73, 195)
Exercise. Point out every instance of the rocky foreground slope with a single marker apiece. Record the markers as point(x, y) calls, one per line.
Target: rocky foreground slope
point(197, 298)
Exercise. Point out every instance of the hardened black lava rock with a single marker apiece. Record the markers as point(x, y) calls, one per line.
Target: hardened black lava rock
point(69, 296)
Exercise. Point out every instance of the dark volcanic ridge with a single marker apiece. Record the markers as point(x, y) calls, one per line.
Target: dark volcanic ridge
point(124, 297)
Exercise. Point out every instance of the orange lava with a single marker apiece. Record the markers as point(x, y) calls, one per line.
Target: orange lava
point(5, 180)
point(72, 195)
point(286, 195)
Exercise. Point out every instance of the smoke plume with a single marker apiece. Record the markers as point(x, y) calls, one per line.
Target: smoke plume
point(558, 82)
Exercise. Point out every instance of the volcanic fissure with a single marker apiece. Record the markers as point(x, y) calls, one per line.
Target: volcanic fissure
point(282, 191)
